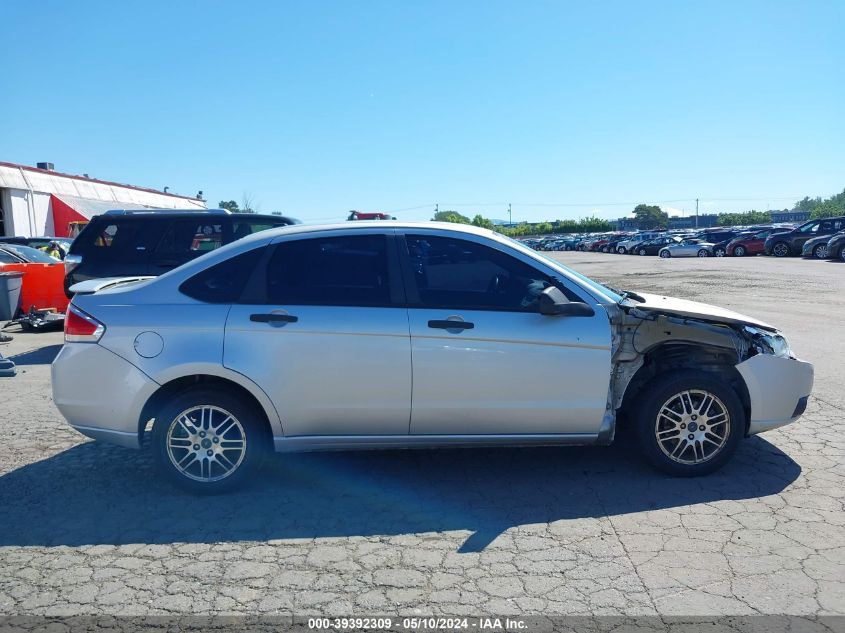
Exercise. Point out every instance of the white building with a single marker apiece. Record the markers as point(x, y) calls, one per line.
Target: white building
point(39, 201)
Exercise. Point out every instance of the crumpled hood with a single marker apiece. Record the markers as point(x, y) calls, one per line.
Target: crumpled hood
point(695, 310)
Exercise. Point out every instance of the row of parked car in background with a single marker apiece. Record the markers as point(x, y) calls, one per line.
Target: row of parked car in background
point(120, 244)
point(818, 239)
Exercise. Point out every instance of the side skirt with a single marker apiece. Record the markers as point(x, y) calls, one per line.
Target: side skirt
point(305, 443)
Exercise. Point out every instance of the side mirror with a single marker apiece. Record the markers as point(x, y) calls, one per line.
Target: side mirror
point(554, 303)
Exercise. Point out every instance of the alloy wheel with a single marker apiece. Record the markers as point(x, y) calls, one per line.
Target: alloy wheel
point(780, 250)
point(206, 443)
point(719, 252)
point(692, 426)
point(739, 251)
point(665, 254)
point(820, 252)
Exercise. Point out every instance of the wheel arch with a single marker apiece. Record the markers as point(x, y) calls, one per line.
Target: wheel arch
point(248, 392)
point(673, 356)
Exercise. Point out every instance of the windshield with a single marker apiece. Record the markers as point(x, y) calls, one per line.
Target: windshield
point(594, 285)
point(32, 255)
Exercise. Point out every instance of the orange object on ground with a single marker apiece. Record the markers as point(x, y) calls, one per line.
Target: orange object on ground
point(42, 285)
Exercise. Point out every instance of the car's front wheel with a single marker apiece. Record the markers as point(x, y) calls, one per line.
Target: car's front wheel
point(703, 253)
point(665, 254)
point(642, 252)
point(690, 423)
point(621, 250)
point(739, 251)
point(719, 252)
point(820, 251)
point(208, 441)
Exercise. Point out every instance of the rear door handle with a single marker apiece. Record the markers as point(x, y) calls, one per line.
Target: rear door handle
point(445, 324)
point(273, 318)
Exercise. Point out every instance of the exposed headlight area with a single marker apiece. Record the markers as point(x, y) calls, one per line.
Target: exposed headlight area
point(772, 343)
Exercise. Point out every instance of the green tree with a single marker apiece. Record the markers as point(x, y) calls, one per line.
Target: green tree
point(451, 216)
point(483, 222)
point(744, 219)
point(827, 209)
point(807, 204)
point(231, 205)
point(650, 216)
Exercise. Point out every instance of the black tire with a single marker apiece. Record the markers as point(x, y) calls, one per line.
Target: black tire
point(622, 250)
point(781, 249)
point(665, 254)
point(842, 254)
point(739, 251)
point(642, 252)
point(703, 253)
point(719, 252)
point(661, 391)
point(251, 424)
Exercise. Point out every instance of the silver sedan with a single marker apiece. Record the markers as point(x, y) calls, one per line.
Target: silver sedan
point(395, 335)
point(690, 247)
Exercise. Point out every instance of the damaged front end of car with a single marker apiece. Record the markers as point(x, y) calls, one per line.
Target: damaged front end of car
point(661, 335)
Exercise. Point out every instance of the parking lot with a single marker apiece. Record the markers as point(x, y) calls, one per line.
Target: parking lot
point(89, 529)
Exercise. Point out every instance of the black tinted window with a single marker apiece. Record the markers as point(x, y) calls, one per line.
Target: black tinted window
point(123, 239)
point(223, 282)
point(191, 236)
point(459, 274)
point(345, 271)
point(242, 228)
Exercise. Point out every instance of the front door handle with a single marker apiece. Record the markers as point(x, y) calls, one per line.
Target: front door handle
point(273, 317)
point(446, 324)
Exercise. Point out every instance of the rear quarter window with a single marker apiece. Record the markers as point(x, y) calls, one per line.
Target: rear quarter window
point(223, 282)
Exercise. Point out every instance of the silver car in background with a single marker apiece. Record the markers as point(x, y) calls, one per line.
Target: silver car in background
point(397, 335)
point(689, 247)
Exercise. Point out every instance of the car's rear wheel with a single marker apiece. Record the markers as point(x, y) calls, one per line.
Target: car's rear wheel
point(621, 250)
point(739, 251)
point(842, 253)
point(820, 251)
point(665, 254)
point(703, 253)
point(690, 423)
point(208, 441)
point(781, 249)
point(641, 252)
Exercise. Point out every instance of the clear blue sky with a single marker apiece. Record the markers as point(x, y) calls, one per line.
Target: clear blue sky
point(315, 108)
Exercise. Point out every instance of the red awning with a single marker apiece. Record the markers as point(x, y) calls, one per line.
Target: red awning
point(63, 215)
point(67, 209)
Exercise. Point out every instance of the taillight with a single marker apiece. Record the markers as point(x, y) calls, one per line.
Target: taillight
point(71, 262)
point(81, 327)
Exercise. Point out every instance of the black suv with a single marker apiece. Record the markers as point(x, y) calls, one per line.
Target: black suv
point(791, 242)
point(129, 243)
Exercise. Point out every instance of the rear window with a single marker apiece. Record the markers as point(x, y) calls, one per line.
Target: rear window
point(113, 238)
point(223, 282)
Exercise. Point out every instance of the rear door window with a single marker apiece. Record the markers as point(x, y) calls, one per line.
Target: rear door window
point(338, 271)
point(242, 228)
point(188, 238)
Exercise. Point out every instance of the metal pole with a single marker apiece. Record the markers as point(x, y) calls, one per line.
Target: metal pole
point(510, 217)
point(696, 213)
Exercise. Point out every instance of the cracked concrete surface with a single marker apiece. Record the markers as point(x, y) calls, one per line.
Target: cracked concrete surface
point(89, 529)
